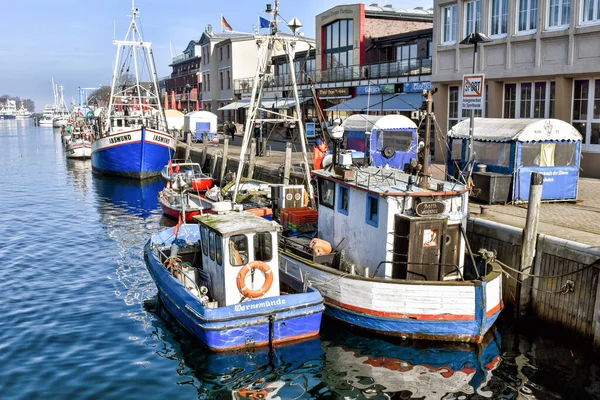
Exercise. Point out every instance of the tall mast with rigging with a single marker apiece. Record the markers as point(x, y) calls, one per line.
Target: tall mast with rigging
point(266, 49)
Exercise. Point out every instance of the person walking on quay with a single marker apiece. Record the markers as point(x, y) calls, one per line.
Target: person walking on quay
point(225, 128)
point(232, 129)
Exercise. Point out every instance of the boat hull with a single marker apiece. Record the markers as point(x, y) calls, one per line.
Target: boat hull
point(454, 311)
point(137, 154)
point(57, 123)
point(45, 121)
point(5, 116)
point(255, 323)
point(79, 149)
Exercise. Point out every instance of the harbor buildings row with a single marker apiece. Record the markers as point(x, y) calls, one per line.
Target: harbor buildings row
point(541, 63)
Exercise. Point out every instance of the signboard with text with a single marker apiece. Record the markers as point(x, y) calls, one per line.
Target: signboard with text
point(333, 92)
point(375, 89)
point(417, 87)
point(472, 92)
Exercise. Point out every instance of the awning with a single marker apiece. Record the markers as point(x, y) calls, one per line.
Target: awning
point(266, 103)
point(390, 102)
point(334, 97)
point(235, 105)
point(522, 130)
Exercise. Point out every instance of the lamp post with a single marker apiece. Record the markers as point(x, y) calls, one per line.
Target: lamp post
point(473, 38)
point(188, 88)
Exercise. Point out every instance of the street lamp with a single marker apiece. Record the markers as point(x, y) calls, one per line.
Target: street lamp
point(473, 38)
point(188, 88)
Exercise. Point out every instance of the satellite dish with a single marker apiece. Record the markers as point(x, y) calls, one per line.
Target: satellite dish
point(295, 25)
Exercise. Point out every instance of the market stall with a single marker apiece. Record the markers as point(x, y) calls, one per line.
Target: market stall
point(518, 147)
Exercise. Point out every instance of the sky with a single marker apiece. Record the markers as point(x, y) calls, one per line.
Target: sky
point(71, 40)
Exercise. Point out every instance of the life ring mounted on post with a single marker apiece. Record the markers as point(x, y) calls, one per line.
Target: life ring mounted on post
point(246, 269)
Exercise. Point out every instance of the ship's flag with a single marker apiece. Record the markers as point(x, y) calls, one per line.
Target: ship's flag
point(264, 23)
point(225, 24)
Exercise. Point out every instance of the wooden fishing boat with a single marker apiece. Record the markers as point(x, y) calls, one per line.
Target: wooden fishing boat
point(220, 280)
point(398, 261)
point(176, 204)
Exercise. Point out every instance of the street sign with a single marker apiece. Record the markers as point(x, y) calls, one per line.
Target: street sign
point(472, 91)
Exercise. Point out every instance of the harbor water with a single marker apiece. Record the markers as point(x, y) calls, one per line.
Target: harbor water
point(80, 317)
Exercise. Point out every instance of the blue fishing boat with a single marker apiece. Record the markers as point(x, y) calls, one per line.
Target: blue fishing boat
point(133, 140)
point(220, 279)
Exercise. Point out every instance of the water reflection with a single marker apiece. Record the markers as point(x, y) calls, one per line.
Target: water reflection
point(288, 372)
point(81, 173)
point(361, 366)
point(136, 197)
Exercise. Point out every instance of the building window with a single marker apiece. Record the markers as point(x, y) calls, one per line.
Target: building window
point(510, 100)
point(338, 48)
point(449, 20)
point(529, 100)
point(539, 103)
point(590, 12)
point(372, 212)
point(559, 12)
point(472, 16)
point(228, 79)
point(525, 103)
point(527, 16)
point(499, 17)
point(228, 53)
point(586, 112)
point(221, 79)
point(453, 106)
point(343, 199)
point(407, 57)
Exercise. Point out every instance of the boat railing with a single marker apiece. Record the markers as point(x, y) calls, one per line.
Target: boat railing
point(375, 179)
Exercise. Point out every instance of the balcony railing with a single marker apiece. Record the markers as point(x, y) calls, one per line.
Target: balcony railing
point(395, 69)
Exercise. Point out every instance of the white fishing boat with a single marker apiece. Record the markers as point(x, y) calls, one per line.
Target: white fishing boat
point(79, 145)
point(8, 109)
point(23, 112)
point(47, 116)
point(134, 141)
point(390, 251)
point(61, 111)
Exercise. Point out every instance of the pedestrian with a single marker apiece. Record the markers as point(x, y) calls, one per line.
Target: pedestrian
point(232, 130)
point(226, 127)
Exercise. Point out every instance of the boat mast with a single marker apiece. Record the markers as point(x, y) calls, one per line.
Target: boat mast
point(266, 47)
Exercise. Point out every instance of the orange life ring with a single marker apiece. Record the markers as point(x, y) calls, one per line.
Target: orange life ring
point(241, 279)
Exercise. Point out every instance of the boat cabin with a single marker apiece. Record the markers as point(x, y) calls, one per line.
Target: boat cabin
point(390, 140)
point(390, 228)
point(231, 240)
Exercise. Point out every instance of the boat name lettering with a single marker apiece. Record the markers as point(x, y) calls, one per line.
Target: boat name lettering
point(161, 139)
point(430, 208)
point(244, 307)
point(119, 139)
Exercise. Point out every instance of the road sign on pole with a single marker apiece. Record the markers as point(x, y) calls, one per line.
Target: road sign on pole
point(472, 91)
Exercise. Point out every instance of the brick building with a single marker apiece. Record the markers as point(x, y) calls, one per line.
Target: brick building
point(184, 84)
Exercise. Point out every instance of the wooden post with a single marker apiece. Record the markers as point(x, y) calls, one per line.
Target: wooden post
point(287, 166)
point(224, 160)
point(252, 159)
point(204, 149)
point(529, 241)
point(188, 147)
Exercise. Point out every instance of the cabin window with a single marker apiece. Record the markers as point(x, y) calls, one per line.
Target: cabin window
point(219, 249)
point(238, 250)
point(372, 215)
point(399, 140)
point(211, 243)
point(548, 154)
point(326, 193)
point(204, 239)
point(343, 199)
point(263, 246)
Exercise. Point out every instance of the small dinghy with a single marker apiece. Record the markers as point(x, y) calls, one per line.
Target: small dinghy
point(221, 280)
